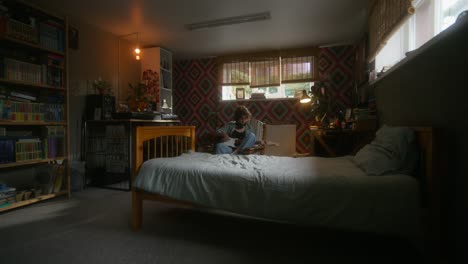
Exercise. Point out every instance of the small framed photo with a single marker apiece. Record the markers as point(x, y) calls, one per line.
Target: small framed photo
point(348, 114)
point(97, 113)
point(240, 93)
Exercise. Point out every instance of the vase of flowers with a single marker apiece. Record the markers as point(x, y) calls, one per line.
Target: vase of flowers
point(139, 98)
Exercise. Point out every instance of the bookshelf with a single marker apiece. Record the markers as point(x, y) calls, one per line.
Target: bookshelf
point(34, 131)
point(159, 60)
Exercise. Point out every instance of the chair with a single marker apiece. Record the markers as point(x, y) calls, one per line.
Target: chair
point(280, 140)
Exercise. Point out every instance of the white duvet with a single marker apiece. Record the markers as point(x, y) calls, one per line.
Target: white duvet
point(329, 192)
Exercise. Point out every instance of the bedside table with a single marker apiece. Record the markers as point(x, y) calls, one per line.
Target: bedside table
point(337, 142)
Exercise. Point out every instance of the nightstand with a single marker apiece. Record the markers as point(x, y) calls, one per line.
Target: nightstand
point(337, 142)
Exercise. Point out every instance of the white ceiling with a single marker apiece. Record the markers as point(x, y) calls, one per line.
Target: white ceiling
point(294, 23)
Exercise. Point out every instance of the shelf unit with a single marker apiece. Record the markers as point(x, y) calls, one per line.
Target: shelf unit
point(159, 60)
point(108, 151)
point(34, 131)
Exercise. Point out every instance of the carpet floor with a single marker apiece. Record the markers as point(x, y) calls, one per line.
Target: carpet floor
point(94, 227)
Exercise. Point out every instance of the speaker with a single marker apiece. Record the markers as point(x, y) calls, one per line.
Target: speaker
point(99, 107)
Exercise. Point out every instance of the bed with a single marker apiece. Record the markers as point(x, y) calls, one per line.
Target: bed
point(310, 191)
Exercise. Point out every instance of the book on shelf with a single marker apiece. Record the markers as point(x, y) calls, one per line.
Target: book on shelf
point(52, 35)
point(28, 149)
point(23, 95)
point(7, 201)
point(59, 174)
point(7, 150)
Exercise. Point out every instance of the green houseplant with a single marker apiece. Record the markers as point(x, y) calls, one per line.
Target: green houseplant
point(139, 97)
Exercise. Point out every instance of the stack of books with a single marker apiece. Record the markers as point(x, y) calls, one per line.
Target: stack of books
point(7, 195)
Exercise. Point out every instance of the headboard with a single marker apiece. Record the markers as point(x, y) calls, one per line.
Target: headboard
point(427, 138)
point(161, 141)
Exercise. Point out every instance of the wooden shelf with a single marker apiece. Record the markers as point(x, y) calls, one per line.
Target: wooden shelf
point(31, 201)
point(30, 123)
point(31, 84)
point(50, 60)
point(32, 45)
point(28, 162)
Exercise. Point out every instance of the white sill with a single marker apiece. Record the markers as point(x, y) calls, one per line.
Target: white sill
point(439, 37)
point(257, 100)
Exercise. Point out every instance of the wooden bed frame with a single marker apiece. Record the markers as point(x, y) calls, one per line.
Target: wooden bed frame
point(181, 139)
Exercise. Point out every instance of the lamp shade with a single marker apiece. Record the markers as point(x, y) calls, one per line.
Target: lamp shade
point(305, 98)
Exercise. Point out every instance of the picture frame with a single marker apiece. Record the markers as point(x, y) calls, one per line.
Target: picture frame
point(348, 114)
point(97, 113)
point(240, 93)
point(73, 38)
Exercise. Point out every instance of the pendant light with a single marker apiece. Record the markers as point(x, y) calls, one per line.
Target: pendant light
point(137, 49)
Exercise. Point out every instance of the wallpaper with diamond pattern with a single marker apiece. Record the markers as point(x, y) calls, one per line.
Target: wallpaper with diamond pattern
point(197, 99)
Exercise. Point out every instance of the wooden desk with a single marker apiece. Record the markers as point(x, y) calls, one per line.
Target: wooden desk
point(347, 141)
point(108, 150)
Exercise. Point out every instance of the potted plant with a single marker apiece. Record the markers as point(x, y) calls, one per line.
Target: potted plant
point(139, 97)
point(102, 87)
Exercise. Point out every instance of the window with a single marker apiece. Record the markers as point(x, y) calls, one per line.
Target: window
point(273, 76)
point(430, 18)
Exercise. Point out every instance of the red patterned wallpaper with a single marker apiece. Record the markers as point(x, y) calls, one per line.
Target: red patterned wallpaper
point(197, 99)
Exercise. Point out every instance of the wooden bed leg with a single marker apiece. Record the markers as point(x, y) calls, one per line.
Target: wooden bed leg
point(137, 209)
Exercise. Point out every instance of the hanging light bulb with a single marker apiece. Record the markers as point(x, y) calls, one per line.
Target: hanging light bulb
point(137, 49)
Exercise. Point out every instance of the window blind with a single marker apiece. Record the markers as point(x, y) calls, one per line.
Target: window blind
point(235, 73)
point(385, 17)
point(297, 69)
point(265, 72)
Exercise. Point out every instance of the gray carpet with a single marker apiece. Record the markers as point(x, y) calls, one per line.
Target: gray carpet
point(93, 227)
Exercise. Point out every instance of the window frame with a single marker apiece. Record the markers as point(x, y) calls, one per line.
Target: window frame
point(253, 58)
point(410, 29)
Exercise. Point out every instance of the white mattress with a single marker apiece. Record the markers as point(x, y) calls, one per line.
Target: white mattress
point(329, 192)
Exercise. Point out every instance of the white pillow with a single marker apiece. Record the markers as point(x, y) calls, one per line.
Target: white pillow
point(392, 151)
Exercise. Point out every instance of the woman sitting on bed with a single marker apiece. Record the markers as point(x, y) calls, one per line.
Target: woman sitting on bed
point(237, 135)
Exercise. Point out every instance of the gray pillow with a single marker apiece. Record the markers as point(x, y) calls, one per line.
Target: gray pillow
point(392, 151)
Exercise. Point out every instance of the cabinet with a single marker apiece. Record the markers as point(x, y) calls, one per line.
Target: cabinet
point(338, 142)
point(33, 106)
point(108, 153)
point(159, 60)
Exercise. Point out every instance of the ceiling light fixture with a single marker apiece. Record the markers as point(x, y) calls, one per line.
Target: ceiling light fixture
point(229, 21)
point(137, 49)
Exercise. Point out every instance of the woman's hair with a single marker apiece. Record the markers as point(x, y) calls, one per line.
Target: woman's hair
point(241, 111)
